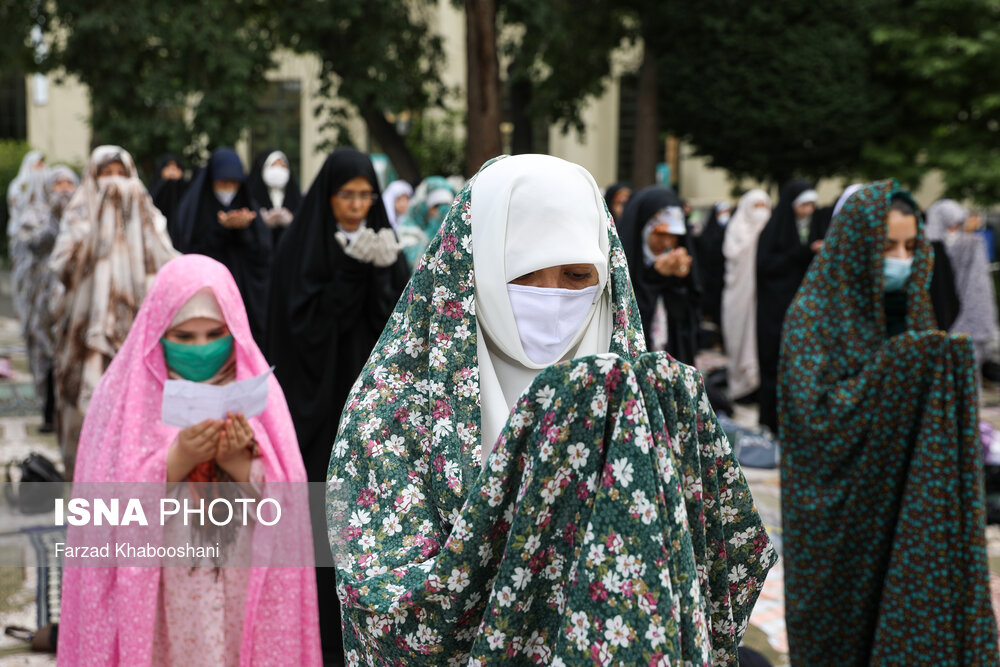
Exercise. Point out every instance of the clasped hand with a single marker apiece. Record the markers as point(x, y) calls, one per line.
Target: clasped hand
point(236, 219)
point(380, 249)
point(676, 262)
point(221, 440)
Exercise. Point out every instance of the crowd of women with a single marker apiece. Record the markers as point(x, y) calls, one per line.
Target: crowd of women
point(495, 382)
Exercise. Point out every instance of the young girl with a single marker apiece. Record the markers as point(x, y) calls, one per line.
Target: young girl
point(192, 325)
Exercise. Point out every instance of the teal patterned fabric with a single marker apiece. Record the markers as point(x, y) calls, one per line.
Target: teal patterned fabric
point(882, 501)
point(610, 525)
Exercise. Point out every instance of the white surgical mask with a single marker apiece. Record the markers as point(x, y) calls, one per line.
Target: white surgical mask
point(548, 318)
point(275, 176)
point(759, 216)
point(722, 218)
point(225, 197)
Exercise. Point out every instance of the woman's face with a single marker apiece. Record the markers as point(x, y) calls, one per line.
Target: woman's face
point(63, 185)
point(113, 168)
point(618, 202)
point(901, 235)
point(197, 331)
point(352, 202)
point(805, 210)
point(402, 204)
point(662, 241)
point(171, 172)
point(565, 276)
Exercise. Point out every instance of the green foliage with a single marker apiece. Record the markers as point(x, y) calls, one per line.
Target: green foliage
point(375, 54)
point(18, 17)
point(145, 62)
point(769, 90)
point(563, 51)
point(436, 146)
point(11, 155)
point(938, 59)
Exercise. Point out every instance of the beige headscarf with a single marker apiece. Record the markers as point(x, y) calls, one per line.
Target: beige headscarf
point(530, 212)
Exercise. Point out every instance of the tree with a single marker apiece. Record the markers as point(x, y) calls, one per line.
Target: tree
point(378, 57)
point(164, 76)
point(560, 56)
point(770, 90)
point(482, 84)
point(938, 61)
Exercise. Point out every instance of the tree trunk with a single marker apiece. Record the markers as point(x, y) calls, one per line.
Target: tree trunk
point(392, 144)
point(523, 139)
point(648, 150)
point(483, 84)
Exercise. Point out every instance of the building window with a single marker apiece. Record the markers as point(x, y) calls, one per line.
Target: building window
point(13, 106)
point(278, 123)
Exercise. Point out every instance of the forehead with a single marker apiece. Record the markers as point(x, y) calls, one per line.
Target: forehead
point(900, 226)
point(357, 184)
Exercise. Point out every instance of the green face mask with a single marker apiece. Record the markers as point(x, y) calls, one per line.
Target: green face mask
point(197, 362)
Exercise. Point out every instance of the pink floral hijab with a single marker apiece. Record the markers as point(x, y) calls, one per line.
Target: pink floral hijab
point(109, 613)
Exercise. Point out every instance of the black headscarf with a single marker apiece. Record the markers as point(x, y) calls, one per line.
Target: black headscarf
point(245, 252)
point(260, 193)
point(326, 310)
point(325, 313)
point(712, 265)
point(681, 296)
point(782, 262)
point(609, 195)
point(167, 193)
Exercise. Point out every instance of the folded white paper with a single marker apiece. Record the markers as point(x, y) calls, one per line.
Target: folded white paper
point(187, 403)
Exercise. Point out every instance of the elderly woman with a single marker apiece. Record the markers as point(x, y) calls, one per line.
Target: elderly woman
point(881, 484)
point(112, 241)
point(514, 479)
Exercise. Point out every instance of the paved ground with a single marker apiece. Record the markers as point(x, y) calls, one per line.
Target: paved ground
point(20, 419)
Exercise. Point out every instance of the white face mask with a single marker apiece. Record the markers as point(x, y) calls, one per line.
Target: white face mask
point(722, 218)
point(758, 216)
point(275, 176)
point(549, 318)
point(225, 197)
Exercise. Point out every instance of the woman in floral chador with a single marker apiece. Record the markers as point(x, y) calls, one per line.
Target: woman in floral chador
point(488, 504)
point(881, 471)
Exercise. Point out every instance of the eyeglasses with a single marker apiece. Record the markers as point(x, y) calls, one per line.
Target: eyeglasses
point(347, 195)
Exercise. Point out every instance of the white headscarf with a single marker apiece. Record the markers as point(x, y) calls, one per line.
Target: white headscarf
point(394, 191)
point(739, 295)
point(848, 191)
point(277, 194)
point(531, 212)
point(27, 186)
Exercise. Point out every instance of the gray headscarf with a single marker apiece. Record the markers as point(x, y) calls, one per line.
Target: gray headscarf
point(943, 215)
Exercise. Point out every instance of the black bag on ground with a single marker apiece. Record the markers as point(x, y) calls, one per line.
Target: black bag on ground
point(38, 486)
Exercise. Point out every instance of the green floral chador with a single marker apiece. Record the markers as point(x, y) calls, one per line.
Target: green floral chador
point(610, 525)
point(881, 471)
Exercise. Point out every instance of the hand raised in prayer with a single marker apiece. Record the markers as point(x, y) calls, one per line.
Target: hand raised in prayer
point(236, 219)
point(236, 445)
point(387, 249)
point(677, 263)
point(362, 248)
point(816, 245)
point(194, 444)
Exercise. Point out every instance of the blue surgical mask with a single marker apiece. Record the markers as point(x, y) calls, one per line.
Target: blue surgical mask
point(896, 272)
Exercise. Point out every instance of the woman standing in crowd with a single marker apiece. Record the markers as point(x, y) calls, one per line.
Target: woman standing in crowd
point(420, 224)
point(218, 218)
point(112, 240)
point(739, 299)
point(168, 188)
point(616, 197)
point(191, 326)
point(712, 262)
point(336, 278)
point(273, 187)
point(785, 248)
point(654, 233)
point(396, 200)
point(34, 283)
point(977, 314)
point(26, 187)
point(487, 504)
point(882, 506)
